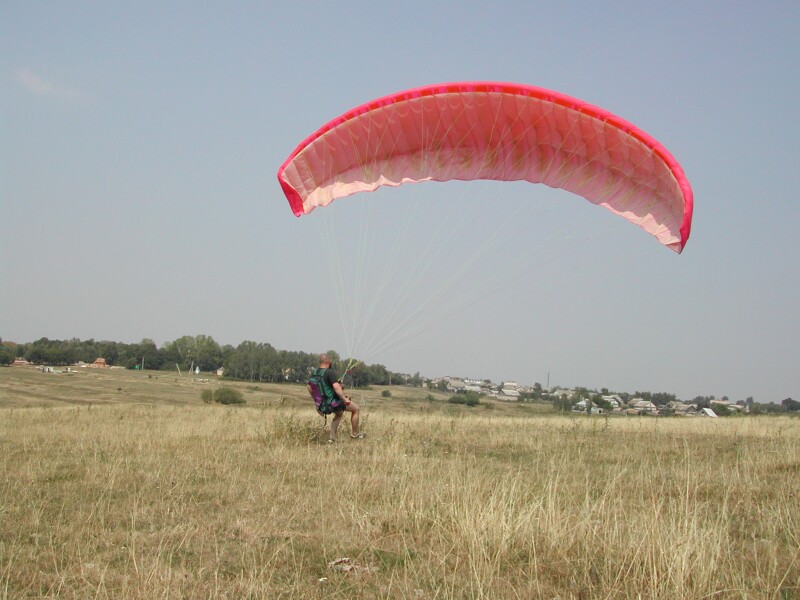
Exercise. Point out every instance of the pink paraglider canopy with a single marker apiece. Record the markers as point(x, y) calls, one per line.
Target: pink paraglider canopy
point(494, 131)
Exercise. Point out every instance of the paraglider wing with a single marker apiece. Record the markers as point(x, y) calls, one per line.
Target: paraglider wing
point(494, 131)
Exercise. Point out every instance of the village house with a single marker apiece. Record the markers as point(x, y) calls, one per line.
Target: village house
point(643, 407)
point(509, 394)
point(580, 406)
point(509, 391)
point(681, 408)
point(558, 393)
point(727, 404)
point(456, 385)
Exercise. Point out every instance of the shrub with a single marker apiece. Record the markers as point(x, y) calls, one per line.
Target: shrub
point(226, 395)
point(470, 399)
point(721, 410)
point(386, 394)
point(207, 396)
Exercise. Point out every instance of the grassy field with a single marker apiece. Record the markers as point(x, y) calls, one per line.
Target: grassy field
point(123, 484)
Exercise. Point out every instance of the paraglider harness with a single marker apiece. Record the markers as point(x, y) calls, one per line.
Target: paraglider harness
point(325, 398)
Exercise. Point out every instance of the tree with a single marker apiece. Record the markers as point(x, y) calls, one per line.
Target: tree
point(379, 375)
point(272, 367)
point(208, 353)
point(297, 366)
point(702, 401)
point(790, 405)
point(662, 398)
point(336, 360)
point(562, 403)
point(254, 361)
point(6, 355)
point(147, 353)
point(598, 400)
point(170, 355)
point(768, 408)
point(198, 351)
point(359, 376)
point(50, 352)
point(721, 410)
point(109, 351)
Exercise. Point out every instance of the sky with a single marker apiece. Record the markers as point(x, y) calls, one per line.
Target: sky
point(138, 194)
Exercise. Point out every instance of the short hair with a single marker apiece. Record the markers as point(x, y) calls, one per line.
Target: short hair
point(323, 359)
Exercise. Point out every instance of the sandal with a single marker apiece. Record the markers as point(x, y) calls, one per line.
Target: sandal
point(358, 436)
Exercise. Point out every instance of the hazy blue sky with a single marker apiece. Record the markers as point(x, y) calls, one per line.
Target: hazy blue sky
point(140, 143)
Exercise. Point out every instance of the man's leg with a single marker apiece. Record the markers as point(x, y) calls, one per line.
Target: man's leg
point(355, 413)
point(337, 418)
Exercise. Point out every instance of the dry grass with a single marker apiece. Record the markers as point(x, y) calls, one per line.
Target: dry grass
point(176, 499)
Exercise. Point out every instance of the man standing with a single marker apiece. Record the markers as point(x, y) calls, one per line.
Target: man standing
point(340, 403)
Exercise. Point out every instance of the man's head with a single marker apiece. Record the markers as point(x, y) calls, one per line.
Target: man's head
point(324, 361)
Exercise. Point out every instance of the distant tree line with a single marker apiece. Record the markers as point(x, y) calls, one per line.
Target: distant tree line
point(251, 361)
point(258, 361)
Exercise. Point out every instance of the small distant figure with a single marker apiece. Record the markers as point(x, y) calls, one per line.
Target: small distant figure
point(326, 390)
